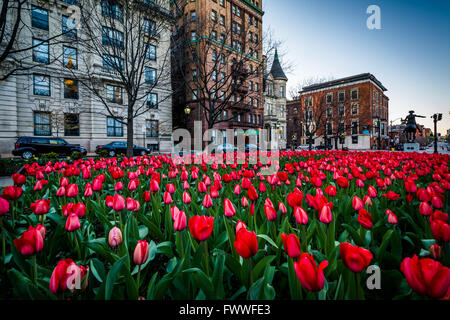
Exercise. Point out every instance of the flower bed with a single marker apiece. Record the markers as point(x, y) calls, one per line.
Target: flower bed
point(327, 225)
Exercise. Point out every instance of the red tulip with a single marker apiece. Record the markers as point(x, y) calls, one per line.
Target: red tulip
point(426, 276)
point(252, 194)
point(141, 252)
point(40, 206)
point(270, 212)
point(154, 186)
point(357, 203)
point(88, 190)
point(39, 185)
point(170, 188)
point(228, 208)
point(372, 192)
point(440, 230)
point(207, 201)
point(437, 202)
point(213, 192)
point(19, 179)
point(252, 209)
point(118, 186)
point(66, 275)
point(435, 251)
point(72, 190)
point(310, 276)
point(365, 219)
point(147, 197)
point(4, 206)
point(118, 202)
point(300, 215)
point(282, 208)
point(246, 243)
point(12, 192)
point(237, 190)
point(355, 258)
point(97, 185)
point(61, 192)
point(295, 198)
point(244, 202)
point(325, 214)
point(240, 225)
point(201, 227)
point(262, 187)
point(291, 245)
point(392, 218)
point(109, 201)
point(73, 222)
point(202, 187)
point(342, 182)
point(186, 197)
point(331, 191)
point(31, 241)
point(115, 237)
point(425, 209)
point(179, 223)
point(391, 195)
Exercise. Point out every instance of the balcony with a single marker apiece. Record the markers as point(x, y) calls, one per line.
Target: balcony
point(243, 124)
point(239, 68)
point(241, 88)
point(240, 106)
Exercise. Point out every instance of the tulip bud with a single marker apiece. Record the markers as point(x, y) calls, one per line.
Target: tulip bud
point(115, 237)
point(141, 252)
point(436, 251)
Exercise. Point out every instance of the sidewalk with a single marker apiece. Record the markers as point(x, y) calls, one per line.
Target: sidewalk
point(5, 182)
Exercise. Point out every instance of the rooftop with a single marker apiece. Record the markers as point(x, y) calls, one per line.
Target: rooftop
point(359, 77)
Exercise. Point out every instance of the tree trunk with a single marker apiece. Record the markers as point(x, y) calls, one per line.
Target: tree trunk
point(130, 131)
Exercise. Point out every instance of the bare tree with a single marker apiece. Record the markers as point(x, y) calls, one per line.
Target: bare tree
point(314, 116)
point(17, 34)
point(214, 66)
point(295, 89)
point(119, 40)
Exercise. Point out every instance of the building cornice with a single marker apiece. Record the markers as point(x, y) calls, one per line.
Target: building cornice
point(252, 6)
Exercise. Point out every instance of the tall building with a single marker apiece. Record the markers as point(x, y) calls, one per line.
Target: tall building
point(351, 112)
point(49, 99)
point(218, 69)
point(275, 105)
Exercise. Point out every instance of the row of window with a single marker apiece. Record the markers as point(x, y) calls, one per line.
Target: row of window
point(114, 126)
point(270, 90)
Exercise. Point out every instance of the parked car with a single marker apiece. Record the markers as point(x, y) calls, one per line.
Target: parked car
point(324, 147)
point(27, 147)
point(223, 148)
point(119, 147)
point(302, 147)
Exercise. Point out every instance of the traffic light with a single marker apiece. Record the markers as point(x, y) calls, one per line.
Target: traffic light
point(439, 116)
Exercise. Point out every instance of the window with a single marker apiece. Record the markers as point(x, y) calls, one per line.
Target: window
point(238, 11)
point(70, 89)
point(71, 124)
point(150, 75)
point(152, 101)
point(341, 111)
point(151, 52)
point(341, 96)
point(40, 51)
point(270, 89)
point(193, 16)
point(152, 128)
point(70, 59)
point(214, 35)
point(282, 92)
point(354, 109)
point(41, 85)
point(112, 37)
point(111, 63)
point(222, 20)
point(214, 15)
point(329, 128)
point(112, 10)
point(225, 115)
point(250, 19)
point(194, 75)
point(222, 3)
point(329, 97)
point(114, 127)
point(193, 36)
point(194, 94)
point(222, 77)
point(259, 118)
point(68, 27)
point(354, 94)
point(251, 86)
point(329, 112)
point(39, 18)
point(42, 125)
point(222, 38)
point(354, 127)
point(150, 27)
point(114, 94)
point(354, 139)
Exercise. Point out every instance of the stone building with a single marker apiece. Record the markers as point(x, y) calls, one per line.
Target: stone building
point(219, 80)
point(275, 105)
point(351, 112)
point(50, 100)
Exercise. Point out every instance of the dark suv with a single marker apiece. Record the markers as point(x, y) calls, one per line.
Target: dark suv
point(27, 147)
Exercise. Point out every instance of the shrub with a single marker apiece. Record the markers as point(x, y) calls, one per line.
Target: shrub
point(10, 166)
point(76, 155)
point(50, 155)
point(103, 154)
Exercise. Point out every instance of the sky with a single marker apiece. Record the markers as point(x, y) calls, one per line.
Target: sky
point(410, 54)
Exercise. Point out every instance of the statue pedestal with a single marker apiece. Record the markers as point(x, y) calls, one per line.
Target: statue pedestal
point(411, 147)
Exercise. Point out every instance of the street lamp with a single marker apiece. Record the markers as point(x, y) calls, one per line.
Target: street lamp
point(436, 117)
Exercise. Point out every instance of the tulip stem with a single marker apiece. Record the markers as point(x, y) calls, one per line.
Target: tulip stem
point(3, 240)
point(138, 277)
point(34, 270)
point(205, 244)
point(180, 238)
point(77, 244)
point(250, 270)
point(357, 285)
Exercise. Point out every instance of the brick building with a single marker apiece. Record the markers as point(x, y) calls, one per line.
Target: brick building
point(294, 132)
point(218, 70)
point(351, 112)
